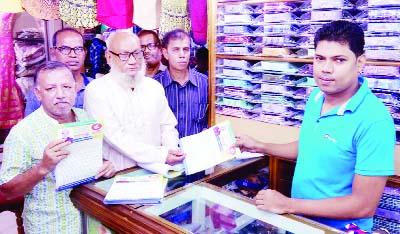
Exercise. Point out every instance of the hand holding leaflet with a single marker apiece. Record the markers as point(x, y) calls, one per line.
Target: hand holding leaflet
point(85, 157)
point(209, 148)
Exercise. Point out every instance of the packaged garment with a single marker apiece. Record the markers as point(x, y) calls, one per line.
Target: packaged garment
point(236, 30)
point(234, 103)
point(384, 14)
point(116, 14)
point(280, 29)
point(238, 19)
point(277, 52)
point(332, 4)
point(269, 7)
point(326, 15)
point(279, 17)
point(380, 3)
point(384, 27)
point(236, 9)
point(243, 64)
point(382, 54)
point(374, 70)
point(79, 13)
point(235, 39)
point(42, 9)
point(379, 41)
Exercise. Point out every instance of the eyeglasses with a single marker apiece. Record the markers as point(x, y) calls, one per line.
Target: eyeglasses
point(150, 46)
point(66, 50)
point(138, 54)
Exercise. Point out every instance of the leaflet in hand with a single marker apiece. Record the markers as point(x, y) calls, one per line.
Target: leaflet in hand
point(145, 189)
point(209, 148)
point(85, 158)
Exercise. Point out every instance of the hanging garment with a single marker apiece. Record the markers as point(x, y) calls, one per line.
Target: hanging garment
point(116, 14)
point(147, 13)
point(42, 9)
point(174, 14)
point(198, 18)
point(11, 6)
point(79, 13)
point(11, 107)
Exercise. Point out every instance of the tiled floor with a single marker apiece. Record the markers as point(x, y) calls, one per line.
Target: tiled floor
point(8, 224)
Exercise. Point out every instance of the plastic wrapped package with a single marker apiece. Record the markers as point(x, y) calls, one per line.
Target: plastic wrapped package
point(235, 39)
point(381, 71)
point(332, 4)
point(384, 14)
point(236, 19)
point(382, 54)
point(236, 9)
point(384, 27)
point(279, 7)
point(321, 15)
point(234, 103)
point(243, 64)
point(283, 67)
point(379, 3)
point(236, 50)
point(280, 29)
point(277, 52)
point(238, 29)
point(279, 17)
point(379, 41)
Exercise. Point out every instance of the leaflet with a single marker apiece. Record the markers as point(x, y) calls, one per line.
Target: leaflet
point(164, 169)
point(85, 158)
point(209, 148)
point(145, 189)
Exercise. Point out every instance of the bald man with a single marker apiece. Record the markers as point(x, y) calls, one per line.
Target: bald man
point(139, 125)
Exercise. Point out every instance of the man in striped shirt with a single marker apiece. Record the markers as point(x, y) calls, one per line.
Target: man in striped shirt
point(185, 89)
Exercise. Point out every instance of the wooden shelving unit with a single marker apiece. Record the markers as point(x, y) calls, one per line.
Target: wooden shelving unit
point(276, 133)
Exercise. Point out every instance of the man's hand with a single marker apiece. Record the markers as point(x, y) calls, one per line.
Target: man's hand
point(272, 201)
point(174, 157)
point(107, 170)
point(246, 143)
point(52, 155)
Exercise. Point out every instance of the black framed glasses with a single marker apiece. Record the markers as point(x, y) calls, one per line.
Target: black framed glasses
point(138, 54)
point(150, 46)
point(66, 50)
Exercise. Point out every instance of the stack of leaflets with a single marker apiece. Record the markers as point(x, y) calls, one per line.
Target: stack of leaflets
point(144, 189)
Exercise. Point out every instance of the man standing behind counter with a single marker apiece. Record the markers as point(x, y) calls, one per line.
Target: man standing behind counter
point(139, 125)
point(345, 150)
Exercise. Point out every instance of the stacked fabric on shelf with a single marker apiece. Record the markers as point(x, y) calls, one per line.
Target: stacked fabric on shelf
point(30, 53)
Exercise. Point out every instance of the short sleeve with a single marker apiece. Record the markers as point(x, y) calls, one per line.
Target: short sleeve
point(375, 150)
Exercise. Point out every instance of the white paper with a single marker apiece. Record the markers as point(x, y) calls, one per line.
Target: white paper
point(209, 148)
point(146, 189)
point(85, 158)
point(164, 169)
point(246, 154)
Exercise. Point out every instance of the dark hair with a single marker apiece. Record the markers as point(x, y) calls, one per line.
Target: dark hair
point(342, 32)
point(65, 30)
point(151, 32)
point(173, 35)
point(50, 66)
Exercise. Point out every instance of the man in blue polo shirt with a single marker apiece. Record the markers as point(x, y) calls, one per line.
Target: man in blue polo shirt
point(345, 150)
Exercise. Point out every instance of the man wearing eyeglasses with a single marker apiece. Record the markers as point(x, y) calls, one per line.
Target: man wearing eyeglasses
point(67, 48)
point(150, 44)
point(139, 125)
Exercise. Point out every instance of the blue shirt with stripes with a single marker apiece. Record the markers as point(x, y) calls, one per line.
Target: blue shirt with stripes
point(188, 102)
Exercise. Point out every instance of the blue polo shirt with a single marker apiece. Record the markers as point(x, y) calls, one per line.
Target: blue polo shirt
point(356, 137)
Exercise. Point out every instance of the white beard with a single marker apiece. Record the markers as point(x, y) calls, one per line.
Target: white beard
point(125, 79)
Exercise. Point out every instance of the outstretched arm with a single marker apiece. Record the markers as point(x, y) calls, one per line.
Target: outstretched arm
point(361, 203)
point(288, 150)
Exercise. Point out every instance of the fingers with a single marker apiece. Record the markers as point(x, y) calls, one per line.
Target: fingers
point(107, 170)
point(176, 152)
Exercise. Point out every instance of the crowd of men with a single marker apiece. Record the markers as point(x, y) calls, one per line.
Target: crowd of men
point(151, 98)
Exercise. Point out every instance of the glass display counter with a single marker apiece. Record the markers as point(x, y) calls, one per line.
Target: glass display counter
point(199, 207)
